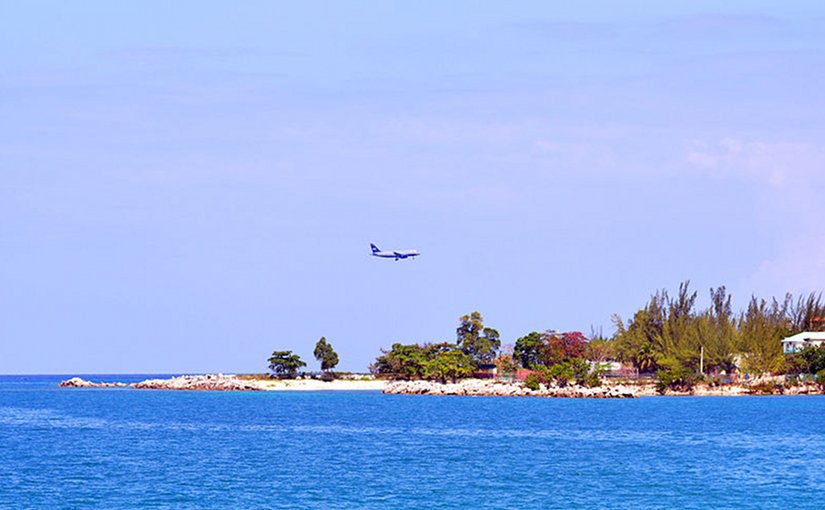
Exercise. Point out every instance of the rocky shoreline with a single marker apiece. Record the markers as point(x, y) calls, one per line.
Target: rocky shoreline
point(221, 382)
point(635, 389)
point(465, 387)
point(487, 388)
point(77, 382)
point(213, 382)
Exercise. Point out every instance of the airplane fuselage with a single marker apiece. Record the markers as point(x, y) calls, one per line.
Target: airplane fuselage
point(397, 255)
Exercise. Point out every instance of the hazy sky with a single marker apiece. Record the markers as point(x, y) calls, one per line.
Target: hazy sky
point(187, 186)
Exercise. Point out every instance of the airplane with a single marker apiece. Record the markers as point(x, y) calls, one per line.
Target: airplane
point(403, 254)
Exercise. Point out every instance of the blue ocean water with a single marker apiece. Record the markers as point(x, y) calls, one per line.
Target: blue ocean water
point(130, 449)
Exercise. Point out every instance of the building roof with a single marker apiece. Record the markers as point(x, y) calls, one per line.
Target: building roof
point(806, 336)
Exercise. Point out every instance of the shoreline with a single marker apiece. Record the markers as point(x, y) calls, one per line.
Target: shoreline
point(464, 387)
point(221, 382)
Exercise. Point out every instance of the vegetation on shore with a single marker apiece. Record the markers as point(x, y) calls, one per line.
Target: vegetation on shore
point(285, 364)
point(671, 338)
point(556, 357)
point(328, 358)
point(668, 339)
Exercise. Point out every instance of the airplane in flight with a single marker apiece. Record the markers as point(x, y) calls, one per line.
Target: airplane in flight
point(403, 254)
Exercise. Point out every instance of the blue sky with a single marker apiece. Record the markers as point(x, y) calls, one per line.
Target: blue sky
point(188, 186)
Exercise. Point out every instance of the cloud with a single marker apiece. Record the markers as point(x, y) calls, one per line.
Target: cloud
point(777, 164)
point(798, 268)
point(727, 26)
point(788, 179)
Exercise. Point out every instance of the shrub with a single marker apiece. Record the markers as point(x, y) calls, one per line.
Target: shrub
point(765, 388)
point(675, 377)
point(820, 378)
point(532, 382)
point(328, 376)
point(592, 380)
point(561, 373)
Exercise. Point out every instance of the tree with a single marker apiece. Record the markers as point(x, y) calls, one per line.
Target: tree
point(400, 362)
point(559, 348)
point(285, 365)
point(325, 354)
point(810, 359)
point(474, 339)
point(668, 335)
point(506, 362)
point(761, 328)
point(438, 361)
point(550, 348)
point(529, 348)
point(599, 350)
point(446, 361)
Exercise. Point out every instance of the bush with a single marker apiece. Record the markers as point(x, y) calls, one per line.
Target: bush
point(820, 378)
point(592, 380)
point(561, 373)
point(765, 388)
point(328, 376)
point(531, 382)
point(676, 377)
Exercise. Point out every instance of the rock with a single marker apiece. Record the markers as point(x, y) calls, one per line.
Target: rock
point(77, 382)
point(486, 387)
point(217, 382)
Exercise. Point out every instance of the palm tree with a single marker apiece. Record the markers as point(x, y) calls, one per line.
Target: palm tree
point(646, 358)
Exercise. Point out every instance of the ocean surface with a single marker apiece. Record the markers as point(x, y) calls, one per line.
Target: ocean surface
point(143, 449)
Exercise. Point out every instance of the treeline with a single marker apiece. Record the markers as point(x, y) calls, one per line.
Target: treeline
point(286, 364)
point(560, 357)
point(475, 346)
point(670, 336)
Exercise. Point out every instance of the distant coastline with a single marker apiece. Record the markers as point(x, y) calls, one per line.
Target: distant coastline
point(463, 387)
point(229, 382)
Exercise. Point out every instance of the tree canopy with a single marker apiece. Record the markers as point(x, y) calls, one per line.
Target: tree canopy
point(670, 334)
point(325, 354)
point(479, 342)
point(285, 364)
point(549, 348)
point(440, 361)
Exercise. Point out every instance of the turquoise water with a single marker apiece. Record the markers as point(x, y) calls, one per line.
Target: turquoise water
point(124, 449)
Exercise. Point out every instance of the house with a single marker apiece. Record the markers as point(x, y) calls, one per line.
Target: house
point(799, 341)
point(486, 371)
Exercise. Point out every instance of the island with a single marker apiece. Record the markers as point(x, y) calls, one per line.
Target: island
point(668, 348)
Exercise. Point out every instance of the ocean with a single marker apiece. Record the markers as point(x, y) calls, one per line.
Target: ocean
point(144, 449)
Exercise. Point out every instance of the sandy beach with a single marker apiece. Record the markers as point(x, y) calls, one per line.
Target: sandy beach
point(316, 385)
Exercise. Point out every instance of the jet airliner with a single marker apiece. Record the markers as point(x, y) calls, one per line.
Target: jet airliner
point(403, 254)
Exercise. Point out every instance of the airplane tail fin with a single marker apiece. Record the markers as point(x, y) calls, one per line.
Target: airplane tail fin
point(374, 248)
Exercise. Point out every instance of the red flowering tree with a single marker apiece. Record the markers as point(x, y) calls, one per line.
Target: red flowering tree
point(562, 347)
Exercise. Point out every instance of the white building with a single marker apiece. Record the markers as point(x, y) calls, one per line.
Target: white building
point(799, 341)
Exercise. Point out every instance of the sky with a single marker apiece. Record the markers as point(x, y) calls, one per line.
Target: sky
point(187, 186)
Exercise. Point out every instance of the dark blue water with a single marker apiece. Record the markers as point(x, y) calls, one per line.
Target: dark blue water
point(125, 449)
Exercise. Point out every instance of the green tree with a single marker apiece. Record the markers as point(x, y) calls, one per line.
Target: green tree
point(761, 328)
point(325, 354)
point(811, 359)
point(285, 365)
point(820, 379)
point(807, 313)
point(446, 361)
point(400, 362)
point(529, 349)
point(669, 335)
point(474, 339)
